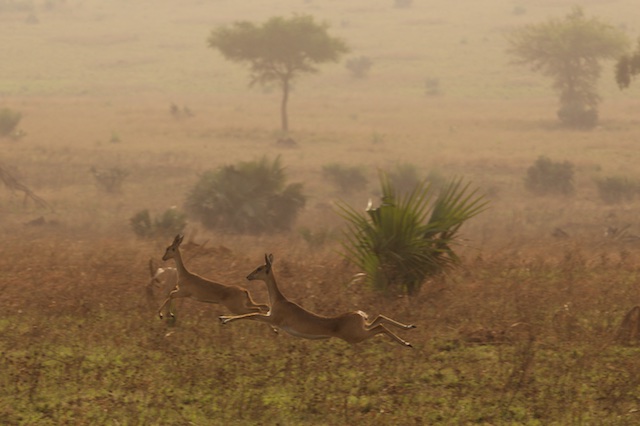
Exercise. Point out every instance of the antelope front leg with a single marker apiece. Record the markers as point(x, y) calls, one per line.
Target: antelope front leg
point(167, 300)
point(160, 314)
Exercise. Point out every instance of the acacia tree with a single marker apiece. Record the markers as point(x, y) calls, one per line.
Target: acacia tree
point(278, 50)
point(570, 50)
point(627, 67)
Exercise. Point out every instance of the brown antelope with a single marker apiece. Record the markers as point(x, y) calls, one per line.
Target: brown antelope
point(352, 327)
point(234, 298)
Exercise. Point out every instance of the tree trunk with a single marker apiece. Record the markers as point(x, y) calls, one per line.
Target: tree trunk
point(283, 105)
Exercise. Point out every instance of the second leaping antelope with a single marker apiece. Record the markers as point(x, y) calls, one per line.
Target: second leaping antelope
point(352, 327)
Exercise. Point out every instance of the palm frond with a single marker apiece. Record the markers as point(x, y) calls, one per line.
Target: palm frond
point(408, 237)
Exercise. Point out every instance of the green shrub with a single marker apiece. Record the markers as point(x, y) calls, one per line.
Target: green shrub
point(408, 237)
point(377, 138)
point(550, 177)
point(404, 177)
point(432, 86)
point(178, 112)
point(402, 4)
point(141, 224)
point(578, 116)
point(9, 120)
point(109, 180)
point(315, 238)
point(346, 178)
point(249, 197)
point(436, 179)
point(16, 5)
point(170, 223)
point(115, 138)
point(615, 189)
point(359, 66)
point(519, 10)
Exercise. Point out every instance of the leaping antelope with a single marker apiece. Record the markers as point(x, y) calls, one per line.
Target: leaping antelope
point(352, 327)
point(234, 298)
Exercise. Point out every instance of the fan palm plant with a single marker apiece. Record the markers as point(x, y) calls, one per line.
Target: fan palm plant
point(409, 237)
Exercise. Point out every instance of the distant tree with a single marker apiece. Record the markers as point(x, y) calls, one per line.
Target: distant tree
point(627, 67)
point(569, 50)
point(278, 50)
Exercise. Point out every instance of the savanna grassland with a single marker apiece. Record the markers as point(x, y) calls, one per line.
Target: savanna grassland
point(523, 333)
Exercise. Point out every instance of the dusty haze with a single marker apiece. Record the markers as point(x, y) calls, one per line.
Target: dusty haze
point(86, 72)
point(521, 334)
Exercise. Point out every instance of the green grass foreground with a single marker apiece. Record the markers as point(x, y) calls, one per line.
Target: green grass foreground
point(81, 344)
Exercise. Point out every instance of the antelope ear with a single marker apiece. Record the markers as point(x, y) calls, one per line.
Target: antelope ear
point(268, 259)
point(178, 239)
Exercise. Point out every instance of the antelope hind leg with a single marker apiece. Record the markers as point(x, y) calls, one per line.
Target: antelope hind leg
point(381, 329)
point(381, 319)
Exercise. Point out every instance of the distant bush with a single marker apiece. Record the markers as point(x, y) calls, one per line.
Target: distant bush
point(9, 120)
point(550, 177)
point(316, 238)
point(377, 138)
point(249, 197)
point(402, 4)
point(519, 10)
point(115, 138)
point(432, 87)
point(404, 177)
point(615, 189)
point(109, 180)
point(16, 5)
point(575, 114)
point(346, 178)
point(170, 223)
point(178, 112)
point(141, 223)
point(359, 66)
point(436, 179)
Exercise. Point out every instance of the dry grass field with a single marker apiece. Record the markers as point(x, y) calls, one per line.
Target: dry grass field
point(523, 333)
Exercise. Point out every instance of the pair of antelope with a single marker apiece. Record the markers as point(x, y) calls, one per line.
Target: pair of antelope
point(282, 313)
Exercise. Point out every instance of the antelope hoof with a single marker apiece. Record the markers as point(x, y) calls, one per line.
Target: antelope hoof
point(160, 315)
point(411, 326)
point(223, 320)
point(409, 345)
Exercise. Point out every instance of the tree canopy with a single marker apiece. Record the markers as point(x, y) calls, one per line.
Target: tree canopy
point(569, 50)
point(627, 67)
point(278, 50)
